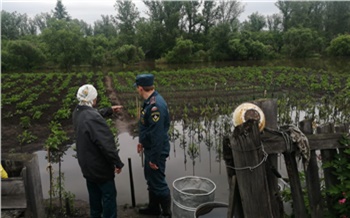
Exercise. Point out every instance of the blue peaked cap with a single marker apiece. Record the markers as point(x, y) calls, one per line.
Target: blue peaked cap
point(144, 80)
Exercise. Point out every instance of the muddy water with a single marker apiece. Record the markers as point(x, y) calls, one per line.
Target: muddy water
point(176, 168)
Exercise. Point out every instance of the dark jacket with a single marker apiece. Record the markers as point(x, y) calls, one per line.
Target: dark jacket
point(154, 126)
point(96, 149)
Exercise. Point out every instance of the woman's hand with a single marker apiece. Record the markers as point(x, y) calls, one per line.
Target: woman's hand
point(117, 170)
point(139, 148)
point(117, 108)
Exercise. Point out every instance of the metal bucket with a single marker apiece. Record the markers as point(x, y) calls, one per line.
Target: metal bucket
point(189, 192)
point(212, 210)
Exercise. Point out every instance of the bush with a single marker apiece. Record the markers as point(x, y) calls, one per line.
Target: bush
point(300, 43)
point(21, 55)
point(182, 52)
point(340, 193)
point(128, 54)
point(340, 46)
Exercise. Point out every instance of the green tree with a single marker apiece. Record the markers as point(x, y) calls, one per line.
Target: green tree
point(285, 8)
point(85, 28)
point(102, 51)
point(340, 46)
point(229, 11)
point(60, 12)
point(300, 42)
point(66, 44)
point(192, 18)
point(105, 27)
point(164, 21)
point(149, 37)
point(126, 18)
point(182, 52)
point(238, 50)
point(15, 25)
point(128, 54)
point(337, 18)
point(256, 22)
point(21, 55)
point(272, 39)
point(246, 48)
point(208, 20)
point(42, 20)
point(219, 38)
point(274, 23)
point(303, 14)
point(210, 16)
point(155, 10)
point(172, 17)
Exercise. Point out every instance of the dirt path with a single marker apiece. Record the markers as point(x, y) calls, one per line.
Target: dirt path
point(124, 123)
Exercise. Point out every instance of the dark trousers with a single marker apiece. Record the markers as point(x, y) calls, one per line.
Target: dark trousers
point(156, 178)
point(102, 199)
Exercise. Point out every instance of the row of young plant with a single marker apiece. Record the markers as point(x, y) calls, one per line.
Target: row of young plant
point(229, 77)
point(296, 88)
point(297, 91)
point(54, 91)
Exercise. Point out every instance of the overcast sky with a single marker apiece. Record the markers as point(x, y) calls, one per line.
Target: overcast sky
point(91, 10)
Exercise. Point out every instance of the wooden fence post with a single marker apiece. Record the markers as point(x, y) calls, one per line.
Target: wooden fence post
point(312, 176)
point(328, 155)
point(32, 181)
point(234, 202)
point(269, 107)
point(249, 160)
point(295, 185)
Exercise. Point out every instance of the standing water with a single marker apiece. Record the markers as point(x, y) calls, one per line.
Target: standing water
point(179, 164)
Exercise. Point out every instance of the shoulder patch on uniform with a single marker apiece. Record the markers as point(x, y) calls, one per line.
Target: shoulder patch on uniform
point(154, 108)
point(155, 116)
point(152, 100)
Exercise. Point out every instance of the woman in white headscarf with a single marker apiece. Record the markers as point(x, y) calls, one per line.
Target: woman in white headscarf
point(87, 95)
point(97, 153)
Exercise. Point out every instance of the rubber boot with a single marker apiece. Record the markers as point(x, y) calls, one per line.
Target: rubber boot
point(153, 206)
point(165, 204)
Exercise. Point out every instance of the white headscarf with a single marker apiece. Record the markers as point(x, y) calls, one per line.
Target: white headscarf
point(86, 95)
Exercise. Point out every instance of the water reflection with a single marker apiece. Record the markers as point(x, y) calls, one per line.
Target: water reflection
point(204, 163)
point(196, 150)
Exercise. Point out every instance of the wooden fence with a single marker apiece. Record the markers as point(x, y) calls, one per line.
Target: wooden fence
point(251, 162)
point(22, 190)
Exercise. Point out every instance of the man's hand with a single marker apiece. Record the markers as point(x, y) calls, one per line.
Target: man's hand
point(153, 166)
point(117, 108)
point(117, 170)
point(139, 148)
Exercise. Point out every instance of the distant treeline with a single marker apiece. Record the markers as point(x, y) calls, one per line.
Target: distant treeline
point(174, 32)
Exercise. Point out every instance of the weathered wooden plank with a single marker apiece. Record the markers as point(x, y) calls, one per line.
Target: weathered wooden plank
point(13, 194)
point(235, 206)
point(295, 185)
point(328, 155)
point(14, 201)
point(249, 163)
point(312, 177)
point(342, 128)
point(12, 186)
point(230, 175)
point(269, 107)
point(275, 144)
point(32, 181)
